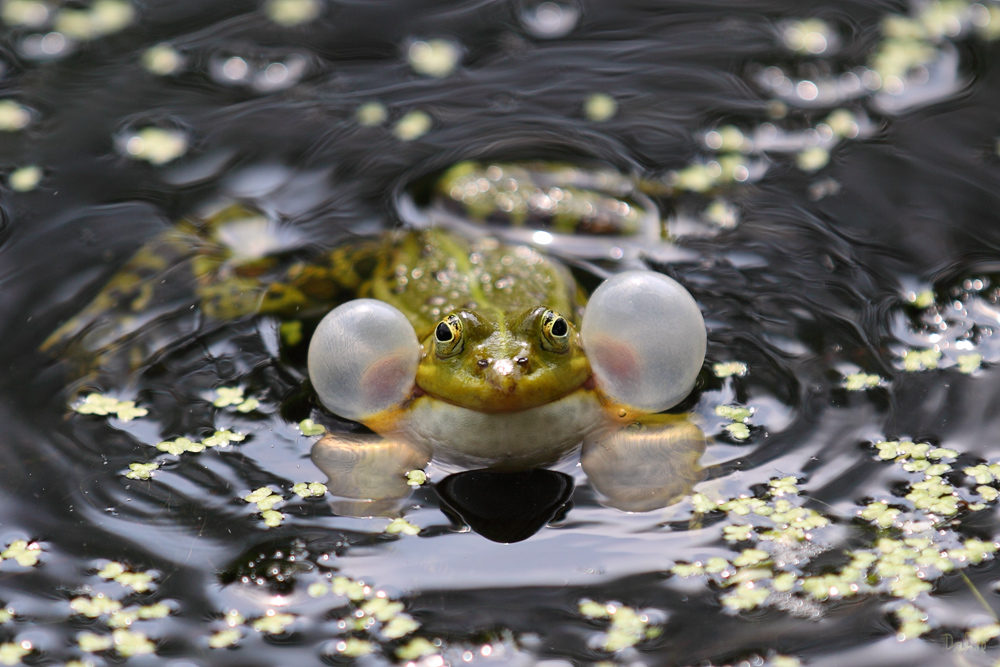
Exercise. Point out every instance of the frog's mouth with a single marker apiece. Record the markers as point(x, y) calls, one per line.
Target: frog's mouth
point(505, 389)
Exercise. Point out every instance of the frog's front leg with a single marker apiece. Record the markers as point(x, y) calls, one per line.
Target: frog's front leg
point(367, 466)
point(646, 464)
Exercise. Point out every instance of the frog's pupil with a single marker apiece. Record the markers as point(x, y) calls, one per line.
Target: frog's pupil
point(443, 333)
point(559, 327)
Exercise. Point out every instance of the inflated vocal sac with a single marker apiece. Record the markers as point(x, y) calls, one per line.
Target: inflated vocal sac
point(363, 358)
point(645, 339)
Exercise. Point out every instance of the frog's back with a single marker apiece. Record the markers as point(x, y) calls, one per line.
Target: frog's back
point(427, 274)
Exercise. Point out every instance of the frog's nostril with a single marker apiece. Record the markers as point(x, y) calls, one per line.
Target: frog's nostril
point(521, 361)
point(483, 363)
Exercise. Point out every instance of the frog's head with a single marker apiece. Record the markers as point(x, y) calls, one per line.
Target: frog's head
point(494, 363)
point(642, 343)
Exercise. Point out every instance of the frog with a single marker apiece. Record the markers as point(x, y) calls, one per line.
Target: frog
point(475, 350)
point(487, 354)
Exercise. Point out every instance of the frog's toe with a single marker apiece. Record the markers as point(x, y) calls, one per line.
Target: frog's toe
point(645, 339)
point(363, 358)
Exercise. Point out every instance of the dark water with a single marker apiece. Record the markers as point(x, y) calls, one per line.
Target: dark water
point(811, 285)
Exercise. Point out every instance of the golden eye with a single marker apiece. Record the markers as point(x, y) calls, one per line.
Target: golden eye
point(448, 339)
point(555, 332)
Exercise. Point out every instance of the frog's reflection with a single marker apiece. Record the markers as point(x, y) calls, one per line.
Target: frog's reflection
point(638, 469)
point(645, 466)
point(506, 506)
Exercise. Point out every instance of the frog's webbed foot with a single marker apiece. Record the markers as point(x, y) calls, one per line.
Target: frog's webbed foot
point(646, 465)
point(367, 466)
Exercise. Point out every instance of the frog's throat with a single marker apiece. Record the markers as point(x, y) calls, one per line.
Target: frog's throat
point(527, 438)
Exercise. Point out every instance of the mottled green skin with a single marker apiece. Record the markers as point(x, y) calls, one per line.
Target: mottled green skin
point(430, 273)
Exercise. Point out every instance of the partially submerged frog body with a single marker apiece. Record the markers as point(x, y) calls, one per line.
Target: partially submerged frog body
point(562, 198)
point(476, 354)
point(231, 263)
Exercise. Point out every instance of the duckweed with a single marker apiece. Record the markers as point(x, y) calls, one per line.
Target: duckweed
point(309, 490)
point(628, 626)
point(99, 404)
point(436, 58)
point(155, 145)
point(103, 17)
point(224, 638)
point(266, 499)
point(401, 525)
point(352, 647)
point(349, 588)
point(738, 430)
point(739, 415)
point(180, 446)
point(13, 116)
point(969, 363)
point(810, 36)
point(233, 396)
point(130, 643)
point(726, 369)
point(412, 126)
point(600, 107)
point(141, 470)
point(981, 634)
point(162, 60)
point(310, 428)
point(813, 158)
point(25, 179)
point(735, 413)
point(11, 653)
point(90, 642)
point(862, 381)
point(26, 554)
point(416, 648)
point(273, 623)
point(318, 589)
point(416, 478)
point(33, 13)
point(920, 360)
point(289, 13)
point(912, 622)
point(914, 541)
point(92, 607)
point(371, 114)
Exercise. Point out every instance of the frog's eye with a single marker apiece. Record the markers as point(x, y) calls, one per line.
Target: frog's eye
point(555, 332)
point(448, 339)
point(645, 340)
point(363, 358)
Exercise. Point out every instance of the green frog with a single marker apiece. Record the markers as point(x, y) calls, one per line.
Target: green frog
point(486, 354)
point(478, 353)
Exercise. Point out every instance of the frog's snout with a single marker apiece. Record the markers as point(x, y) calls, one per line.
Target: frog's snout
point(502, 374)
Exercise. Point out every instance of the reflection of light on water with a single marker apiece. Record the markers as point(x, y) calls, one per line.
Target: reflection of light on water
point(44, 46)
point(542, 238)
point(264, 74)
point(807, 90)
point(549, 20)
point(235, 69)
point(276, 73)
point(254, 238)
